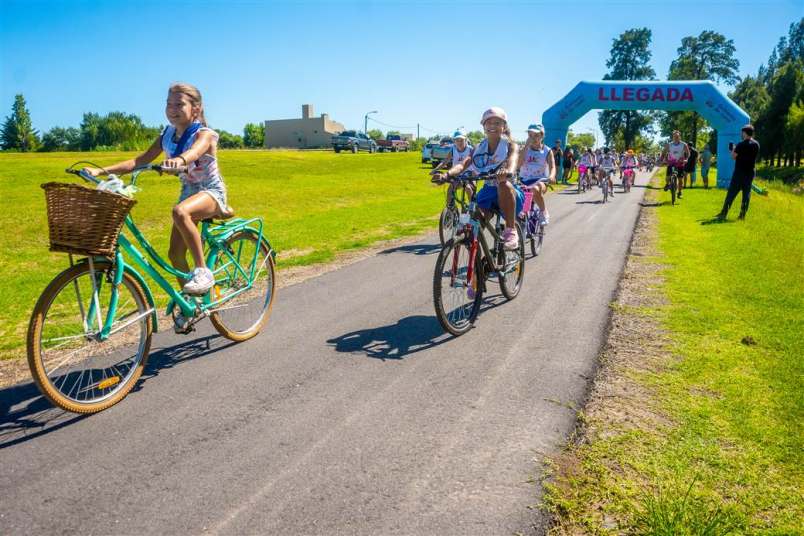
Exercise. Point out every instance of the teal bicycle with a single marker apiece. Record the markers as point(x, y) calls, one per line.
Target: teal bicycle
point(90, 332)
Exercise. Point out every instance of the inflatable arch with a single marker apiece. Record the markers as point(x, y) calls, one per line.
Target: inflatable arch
point(701, 96)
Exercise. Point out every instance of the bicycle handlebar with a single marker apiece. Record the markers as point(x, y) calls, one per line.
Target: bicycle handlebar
point(134, 172)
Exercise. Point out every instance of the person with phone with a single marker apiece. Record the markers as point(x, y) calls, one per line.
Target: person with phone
point(745, 156)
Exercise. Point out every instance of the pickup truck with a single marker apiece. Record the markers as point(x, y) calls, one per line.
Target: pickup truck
point(440, 152)
point(350, 140)
point(393, 143)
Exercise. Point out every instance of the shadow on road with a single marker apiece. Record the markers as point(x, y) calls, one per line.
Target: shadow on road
point(25, 414)
point(394, 341)
point(416, 249)
point(595, 202)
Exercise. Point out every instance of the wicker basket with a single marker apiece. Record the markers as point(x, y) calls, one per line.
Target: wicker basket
point(82, 220)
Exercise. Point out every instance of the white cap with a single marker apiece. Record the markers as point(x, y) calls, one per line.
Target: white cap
point(494, 111)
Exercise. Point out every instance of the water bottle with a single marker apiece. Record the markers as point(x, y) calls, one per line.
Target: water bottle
point(113, 184)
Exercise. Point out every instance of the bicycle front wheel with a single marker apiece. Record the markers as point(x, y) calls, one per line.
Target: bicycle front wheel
point(75, 368)
point(245, 283)
point(447, 223)
point(457, 300)
point(673, 187)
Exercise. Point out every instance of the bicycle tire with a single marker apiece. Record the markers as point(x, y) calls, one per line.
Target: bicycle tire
point(537, 241)
point(511, 293)
point(444, 261)
point(34, 343)
point(444, 232)
point(223, 326)
point(673, 185)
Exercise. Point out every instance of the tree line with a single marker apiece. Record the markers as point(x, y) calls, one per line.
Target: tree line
point(773, 99)
point(115, 131)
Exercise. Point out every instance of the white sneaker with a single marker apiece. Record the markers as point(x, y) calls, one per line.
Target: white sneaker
point(544, 218)
point(202, 281)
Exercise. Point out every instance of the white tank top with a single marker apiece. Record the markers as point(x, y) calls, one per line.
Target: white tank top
point(608, 162)
point(675, 152)
point(482, 161)
point(535, 164)
point(202, 170)
point(460, 156)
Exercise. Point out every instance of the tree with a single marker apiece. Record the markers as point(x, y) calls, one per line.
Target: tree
point(18, 132)
point(751, 94)
point(629, 60)
point(785, 88)
point(376, 134)
point(795, 131)
point(475, 137)
point(579, 141)
point(61, 139)
point(710, 56)
point(253, 135)
point(228, 140)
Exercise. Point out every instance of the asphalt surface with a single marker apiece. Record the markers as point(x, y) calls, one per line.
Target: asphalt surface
point(352, 413)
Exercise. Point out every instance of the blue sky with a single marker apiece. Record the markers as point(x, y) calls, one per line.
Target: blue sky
point(439, 64)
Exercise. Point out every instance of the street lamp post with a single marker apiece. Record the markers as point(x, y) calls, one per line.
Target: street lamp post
point(365, 121)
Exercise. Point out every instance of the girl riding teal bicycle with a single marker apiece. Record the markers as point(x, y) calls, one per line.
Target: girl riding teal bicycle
point(90, 332)
point(187, 142)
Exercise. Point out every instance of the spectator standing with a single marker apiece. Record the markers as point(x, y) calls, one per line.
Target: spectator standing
point(569, 163)
point(689, 169)
point(558, 153)
point(706, 163)
point(745, 157)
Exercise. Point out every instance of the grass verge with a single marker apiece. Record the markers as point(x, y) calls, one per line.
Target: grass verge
point(315, 206)
point(693, 425)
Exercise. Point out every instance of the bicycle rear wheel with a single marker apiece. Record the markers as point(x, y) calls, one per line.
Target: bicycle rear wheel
point(446, 224)
point(537, 240)
point(243, 315)
point(605, 187)
point(457, 301)
point(72, 367)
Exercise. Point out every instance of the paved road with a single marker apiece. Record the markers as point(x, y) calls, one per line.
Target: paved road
point(351, 414)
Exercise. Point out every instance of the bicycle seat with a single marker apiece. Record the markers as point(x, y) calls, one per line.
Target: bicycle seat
point(222, 215)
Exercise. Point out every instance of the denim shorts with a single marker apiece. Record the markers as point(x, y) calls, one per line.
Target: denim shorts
point(487, 198)
point(531, 182)
point(214, 187)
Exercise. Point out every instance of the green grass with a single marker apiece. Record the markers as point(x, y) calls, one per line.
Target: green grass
point(730, 458)
point(315, 205)
point(790, 175)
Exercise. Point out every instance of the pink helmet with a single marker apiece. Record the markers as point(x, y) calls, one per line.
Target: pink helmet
point(494, 111)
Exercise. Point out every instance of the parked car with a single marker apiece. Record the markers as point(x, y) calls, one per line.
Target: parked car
point(427, 151)
point(440, 152)
point(350, 140)
point(393, 143)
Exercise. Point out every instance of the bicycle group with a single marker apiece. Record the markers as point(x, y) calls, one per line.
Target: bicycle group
point(90, 332)
point(483, 232)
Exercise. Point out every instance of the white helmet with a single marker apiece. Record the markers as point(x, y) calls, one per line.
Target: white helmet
point(494, 111)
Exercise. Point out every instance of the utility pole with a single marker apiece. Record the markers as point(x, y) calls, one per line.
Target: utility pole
point(365, 121)
point(417, 131)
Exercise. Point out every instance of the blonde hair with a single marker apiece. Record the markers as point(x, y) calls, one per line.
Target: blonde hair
point(192, 93)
